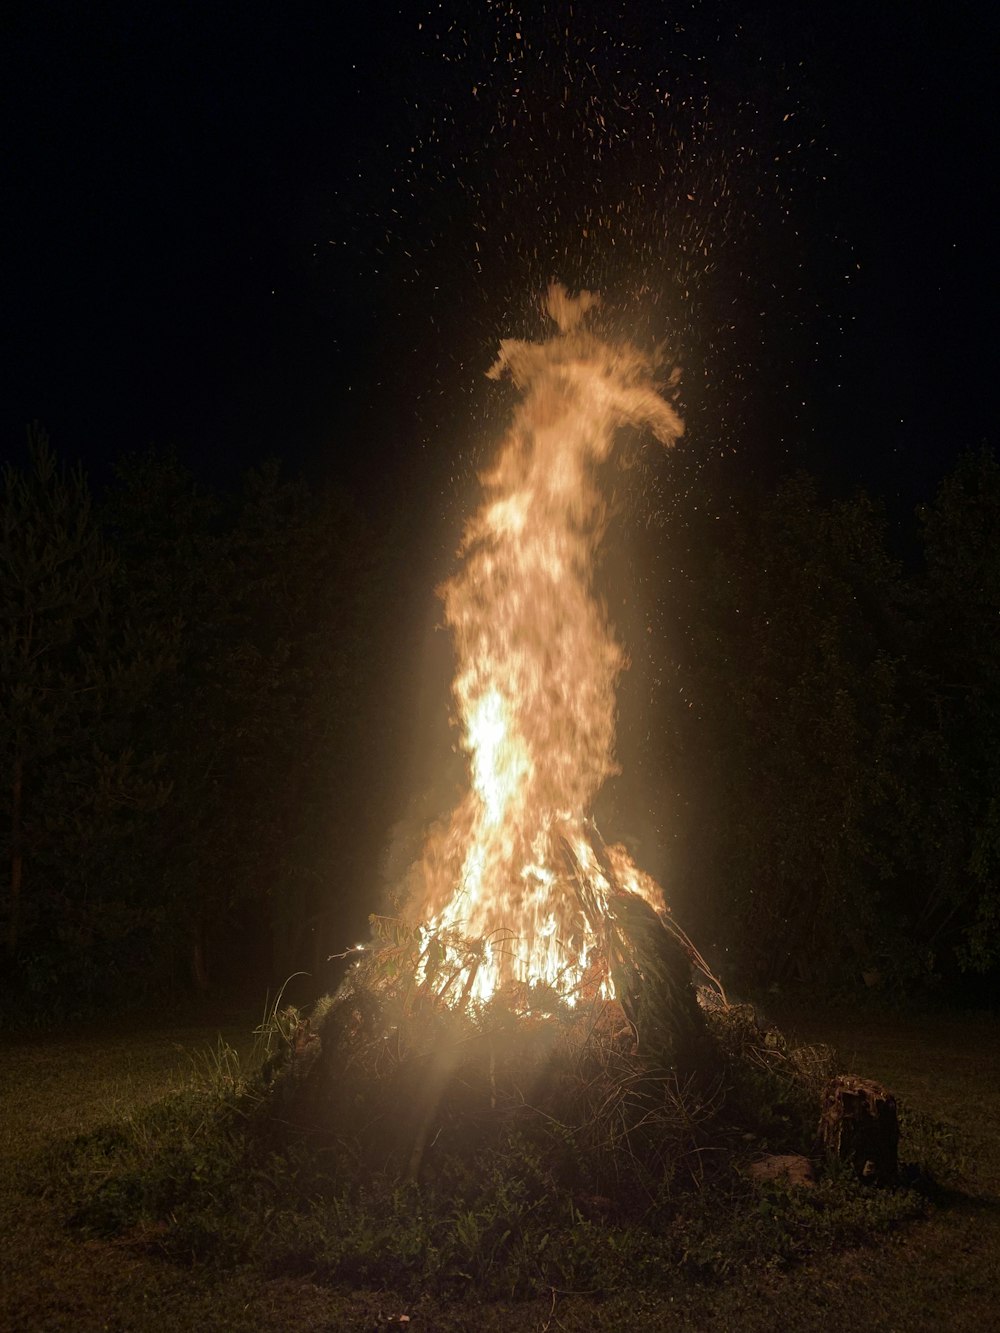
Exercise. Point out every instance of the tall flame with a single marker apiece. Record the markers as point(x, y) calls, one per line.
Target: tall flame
point(537, 666)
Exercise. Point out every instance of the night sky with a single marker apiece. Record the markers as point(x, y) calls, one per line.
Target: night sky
point(245, 230)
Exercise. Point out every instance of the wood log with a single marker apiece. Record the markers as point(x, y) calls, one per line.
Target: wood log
point(858, 1123)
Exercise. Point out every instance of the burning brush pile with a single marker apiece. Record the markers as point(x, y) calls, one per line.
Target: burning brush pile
point(535, 982)
point(517, 905)
point(529, 1078)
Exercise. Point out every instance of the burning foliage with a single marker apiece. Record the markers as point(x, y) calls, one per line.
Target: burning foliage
point(619, 1077)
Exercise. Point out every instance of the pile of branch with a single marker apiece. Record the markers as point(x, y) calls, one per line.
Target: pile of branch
point(398, 1066)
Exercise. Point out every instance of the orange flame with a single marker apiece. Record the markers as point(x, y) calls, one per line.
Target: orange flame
point(537, 668)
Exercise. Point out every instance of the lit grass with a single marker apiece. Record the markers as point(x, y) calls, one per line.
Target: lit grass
point(446, 1152)
point(937, 1273)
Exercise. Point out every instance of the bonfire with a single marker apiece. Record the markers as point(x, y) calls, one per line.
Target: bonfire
point(533, 969)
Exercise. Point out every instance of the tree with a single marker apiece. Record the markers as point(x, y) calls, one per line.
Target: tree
point(73, 668)
point(263, 721)
point(789, 641)
point(961, 538)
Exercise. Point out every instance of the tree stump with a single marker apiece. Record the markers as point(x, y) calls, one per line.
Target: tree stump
point(858, 1124)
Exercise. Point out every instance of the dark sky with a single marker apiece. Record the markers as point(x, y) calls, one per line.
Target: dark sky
point(300, 229)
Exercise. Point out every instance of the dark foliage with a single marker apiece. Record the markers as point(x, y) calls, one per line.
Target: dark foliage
point(830, 739)
point(205, 709)
point(186, 705)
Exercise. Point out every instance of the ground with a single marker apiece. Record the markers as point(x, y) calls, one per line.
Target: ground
point(937, 1274)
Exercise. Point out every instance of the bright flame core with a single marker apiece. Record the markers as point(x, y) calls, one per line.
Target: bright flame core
point(537, 668)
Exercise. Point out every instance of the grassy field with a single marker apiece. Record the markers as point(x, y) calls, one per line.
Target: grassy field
point(942, 1273)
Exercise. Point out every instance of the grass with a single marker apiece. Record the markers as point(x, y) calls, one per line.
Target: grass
point(937, 1273)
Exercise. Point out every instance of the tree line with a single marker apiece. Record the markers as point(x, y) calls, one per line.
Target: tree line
point(204, 698)
point(186, 706)
point(828, 770)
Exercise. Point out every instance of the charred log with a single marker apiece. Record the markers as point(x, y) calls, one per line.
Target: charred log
point(858, 1123)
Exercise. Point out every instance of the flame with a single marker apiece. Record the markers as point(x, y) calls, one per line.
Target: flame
point(537, 665)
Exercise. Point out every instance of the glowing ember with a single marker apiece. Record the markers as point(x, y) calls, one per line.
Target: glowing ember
point(537, 665)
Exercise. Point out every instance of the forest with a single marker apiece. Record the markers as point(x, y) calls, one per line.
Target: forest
point(208, 701)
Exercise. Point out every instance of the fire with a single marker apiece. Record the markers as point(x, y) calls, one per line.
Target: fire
point(520, 867)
